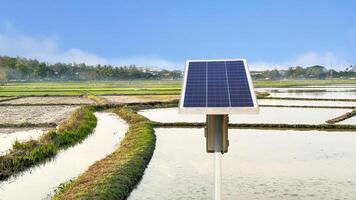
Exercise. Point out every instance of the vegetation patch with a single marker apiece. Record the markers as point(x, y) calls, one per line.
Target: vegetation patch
point(27, 154)
point(116, 175)
point(98, 100)
point(261, 94)
point(342, 117)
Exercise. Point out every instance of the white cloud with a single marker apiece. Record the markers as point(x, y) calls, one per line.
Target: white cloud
point(46, 49)
point(327, 59)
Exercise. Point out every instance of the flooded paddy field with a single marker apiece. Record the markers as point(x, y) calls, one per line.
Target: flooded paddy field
point(39, 182)
point(331, 88)
point(306, 103)
point(34, 114)
point(312, 92)
point(351, 120)
point(323, 95)
point(50, 100)
point(268, 115)
point(9, 136)
point(260, 164)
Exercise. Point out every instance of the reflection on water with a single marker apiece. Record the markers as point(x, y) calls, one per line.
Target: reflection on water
point(42, 180)
point(260, 164)
point(271, 115)
point(7, 139)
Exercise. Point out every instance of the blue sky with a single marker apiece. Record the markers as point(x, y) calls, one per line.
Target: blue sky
point(165, 33)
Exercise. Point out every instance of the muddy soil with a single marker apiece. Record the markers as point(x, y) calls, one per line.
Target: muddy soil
point(34, 114)
point(140, 98)
point(50, 100)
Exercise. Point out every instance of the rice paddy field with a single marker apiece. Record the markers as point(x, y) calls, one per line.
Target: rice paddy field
point(262, 163)
point(139, 87)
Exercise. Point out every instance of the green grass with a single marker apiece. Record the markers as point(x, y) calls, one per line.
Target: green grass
point(97, 88)
point(116, 175)
point(27, 154)
point(132, 87)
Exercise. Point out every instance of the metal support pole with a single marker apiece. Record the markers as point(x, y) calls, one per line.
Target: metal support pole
point(217, 157)
point(217, 175)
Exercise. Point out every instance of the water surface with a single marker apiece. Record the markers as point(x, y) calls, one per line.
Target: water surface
point(42, 180)
point(351, 121)
point(305, 103)
point(312, 92)
point(272, 115)
point(260, 164)
point(8, 139)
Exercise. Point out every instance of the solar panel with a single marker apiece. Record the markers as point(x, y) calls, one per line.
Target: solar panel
point(217, 87)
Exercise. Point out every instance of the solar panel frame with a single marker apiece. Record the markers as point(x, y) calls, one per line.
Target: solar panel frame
point(218, 110)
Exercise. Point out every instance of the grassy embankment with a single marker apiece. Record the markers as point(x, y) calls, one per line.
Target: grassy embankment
point(134, 87)
point(27, 154)
point(116, 175)
point(342, 117)
point(97, 99)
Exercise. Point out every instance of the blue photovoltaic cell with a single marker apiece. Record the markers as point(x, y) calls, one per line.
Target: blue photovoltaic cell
point(217, 84)
point(218, 95)
point(195, 89)
point(240, 95)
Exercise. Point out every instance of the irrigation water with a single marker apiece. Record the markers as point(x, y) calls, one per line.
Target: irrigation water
point(309, 92)
point(260, 164)
point(306, 103)
point(39, 182)
point(268, 115)
point(8, 139)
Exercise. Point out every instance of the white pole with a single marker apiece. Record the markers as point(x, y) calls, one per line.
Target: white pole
point(217, 173)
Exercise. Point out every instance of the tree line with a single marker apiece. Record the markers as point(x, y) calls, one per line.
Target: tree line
point(312, 72)
point(22, 69)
